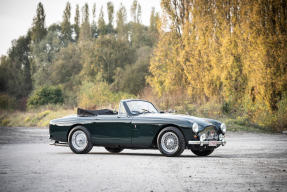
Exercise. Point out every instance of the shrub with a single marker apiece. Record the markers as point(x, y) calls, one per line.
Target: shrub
point(7, 102)
point(226, 107)
point(45, 95)
point(280, 118)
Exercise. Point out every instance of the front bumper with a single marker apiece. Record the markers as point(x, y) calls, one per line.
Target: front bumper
point(201, 143)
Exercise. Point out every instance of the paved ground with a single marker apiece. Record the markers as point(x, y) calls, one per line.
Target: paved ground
point(249, 162)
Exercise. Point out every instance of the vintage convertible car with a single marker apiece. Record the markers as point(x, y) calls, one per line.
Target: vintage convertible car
point(137, 125)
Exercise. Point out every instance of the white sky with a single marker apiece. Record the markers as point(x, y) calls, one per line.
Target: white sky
point(16, 15)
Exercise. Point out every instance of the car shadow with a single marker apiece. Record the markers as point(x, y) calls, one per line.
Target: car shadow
point(141, 154)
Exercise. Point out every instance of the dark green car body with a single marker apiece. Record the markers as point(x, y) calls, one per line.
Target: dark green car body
point(131, 131)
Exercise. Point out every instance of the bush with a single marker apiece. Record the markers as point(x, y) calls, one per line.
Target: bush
point(7, 102)
point(280, 122)
point(226, 107)
point(45, 95)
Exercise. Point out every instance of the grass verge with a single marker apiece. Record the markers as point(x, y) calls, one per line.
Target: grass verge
point(34, 118)
point(41, 118)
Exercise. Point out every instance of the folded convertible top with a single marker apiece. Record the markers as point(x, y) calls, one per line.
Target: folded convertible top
point(85, 113)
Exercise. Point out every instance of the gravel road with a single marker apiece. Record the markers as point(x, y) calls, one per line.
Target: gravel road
point(249, 162)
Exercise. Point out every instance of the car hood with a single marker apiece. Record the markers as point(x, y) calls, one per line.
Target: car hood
point(176, 118)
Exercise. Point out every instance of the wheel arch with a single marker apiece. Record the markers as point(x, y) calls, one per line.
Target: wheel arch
point(154, 141)
point(71, 127)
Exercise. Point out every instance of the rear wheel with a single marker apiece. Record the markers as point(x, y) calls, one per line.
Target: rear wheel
point(202, 152)
point(171, 142)
point(79, 140)
point(113, 149)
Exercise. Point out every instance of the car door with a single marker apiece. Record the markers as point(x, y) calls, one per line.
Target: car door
point(143, 131)
point(113, 129)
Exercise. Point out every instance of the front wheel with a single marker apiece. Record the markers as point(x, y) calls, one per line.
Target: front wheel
point(202, 152)
point(113, 149)
point(79, 140)
point(171, 142)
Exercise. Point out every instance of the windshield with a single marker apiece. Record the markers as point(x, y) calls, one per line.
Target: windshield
point(138, 107)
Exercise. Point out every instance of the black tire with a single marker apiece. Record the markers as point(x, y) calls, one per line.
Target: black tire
point(203, 152)
point(89, 145)
point(114, 149)
point(180, 139)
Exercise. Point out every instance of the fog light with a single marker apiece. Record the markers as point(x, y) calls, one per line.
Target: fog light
point(221, 137)
point(202, 137)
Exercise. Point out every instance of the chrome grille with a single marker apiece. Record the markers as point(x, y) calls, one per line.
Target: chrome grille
point(210, 133)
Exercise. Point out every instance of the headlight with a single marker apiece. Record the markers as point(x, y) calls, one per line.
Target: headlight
point(195, 127)
point(223, 128)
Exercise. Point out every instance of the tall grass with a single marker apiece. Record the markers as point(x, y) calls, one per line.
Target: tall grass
point(39, 117)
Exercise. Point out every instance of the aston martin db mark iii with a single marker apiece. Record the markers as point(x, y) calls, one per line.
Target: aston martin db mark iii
point(137, 125)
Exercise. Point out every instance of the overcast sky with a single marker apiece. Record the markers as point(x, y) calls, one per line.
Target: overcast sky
point(16, 15)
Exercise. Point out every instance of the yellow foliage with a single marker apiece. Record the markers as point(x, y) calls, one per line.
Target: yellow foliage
point(233, 51)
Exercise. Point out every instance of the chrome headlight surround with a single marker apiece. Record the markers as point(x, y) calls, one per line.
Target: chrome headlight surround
point(223, 128)
point(195, 127)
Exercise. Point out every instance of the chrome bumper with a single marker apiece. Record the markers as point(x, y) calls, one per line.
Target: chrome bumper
point(201, 143)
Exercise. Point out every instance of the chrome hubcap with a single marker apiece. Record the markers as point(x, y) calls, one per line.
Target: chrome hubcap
point(169, 142)
point(79, 140)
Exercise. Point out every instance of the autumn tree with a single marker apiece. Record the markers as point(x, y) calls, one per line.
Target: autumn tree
point(232, 51)
point(38, 27)
point(66, 25)
point(110, 9)
point(101, 23)
point(121, 22)
point(153, 29)
point(85, 30)
point(77, 23)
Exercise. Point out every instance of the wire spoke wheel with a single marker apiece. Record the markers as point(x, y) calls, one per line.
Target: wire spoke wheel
point(79, 140)
point(169, 142)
